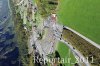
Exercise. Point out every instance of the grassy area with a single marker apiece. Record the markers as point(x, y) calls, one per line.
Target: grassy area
point(82, 16)
point(65, 53)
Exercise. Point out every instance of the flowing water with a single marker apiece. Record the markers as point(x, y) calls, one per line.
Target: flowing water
point(8, 48)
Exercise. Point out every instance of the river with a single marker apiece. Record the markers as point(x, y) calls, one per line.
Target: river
point(8, 46)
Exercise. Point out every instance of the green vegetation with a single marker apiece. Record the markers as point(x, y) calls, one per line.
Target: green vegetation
point(81, 15)
point(65, 53)
point(20, 36)
point(38, 18)
point(22, 39)
point(46, 7)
